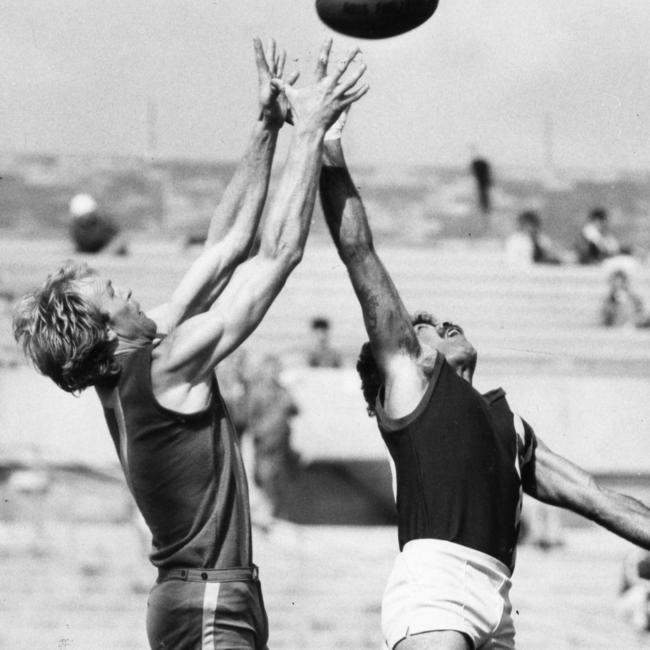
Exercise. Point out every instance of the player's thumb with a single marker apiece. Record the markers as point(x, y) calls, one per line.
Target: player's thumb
point(278, 85)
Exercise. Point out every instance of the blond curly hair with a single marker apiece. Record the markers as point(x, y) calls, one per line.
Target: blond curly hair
point(63, 333)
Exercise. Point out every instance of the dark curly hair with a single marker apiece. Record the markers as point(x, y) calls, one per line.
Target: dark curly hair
point(63, 333)
point(371, 378)
point(369, 372)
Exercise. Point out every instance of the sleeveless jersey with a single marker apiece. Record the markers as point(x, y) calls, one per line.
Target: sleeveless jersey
point(184, 471)
point(458, 459)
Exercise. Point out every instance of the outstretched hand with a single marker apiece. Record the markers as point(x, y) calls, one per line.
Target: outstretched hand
point(318, 106)
point(274, 106)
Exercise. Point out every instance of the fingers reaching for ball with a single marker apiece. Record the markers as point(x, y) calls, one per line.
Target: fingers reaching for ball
point(323, 59)
point(274, 106)
point(318, 105)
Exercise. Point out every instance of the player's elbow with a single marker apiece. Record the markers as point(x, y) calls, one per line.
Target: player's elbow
point(290, 257)
point(356, 250)
point(286, 255)
point(234, 246)
point(354, 239)
point(585, 498)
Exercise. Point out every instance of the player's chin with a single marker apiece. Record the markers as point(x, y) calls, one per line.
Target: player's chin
point(471, 358)
point(470, 367)
point(149, 326)
point(464, 361)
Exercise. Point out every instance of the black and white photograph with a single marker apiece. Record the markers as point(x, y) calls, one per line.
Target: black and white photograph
point(324, 325)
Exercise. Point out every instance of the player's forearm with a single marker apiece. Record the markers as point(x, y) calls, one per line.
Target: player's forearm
point(561, 483)
point(385, 317)
point(238, 213)
point(287, 226)
point(620, 514)
point(232, 229)
point(342, 206)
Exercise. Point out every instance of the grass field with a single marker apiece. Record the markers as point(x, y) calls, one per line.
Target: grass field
point(85, 589)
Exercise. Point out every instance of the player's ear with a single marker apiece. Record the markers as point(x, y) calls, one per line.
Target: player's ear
point(418, 326)
point(110, 334)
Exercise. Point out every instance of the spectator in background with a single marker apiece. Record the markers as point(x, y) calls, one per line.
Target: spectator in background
point(595, 242)
point(92, 230)
point(482, 174)
point(622, 307)
point(9, 354)
point(321, 354)
point(529, 245)
point(233, 375)
point(634, 600)
point(270, 408)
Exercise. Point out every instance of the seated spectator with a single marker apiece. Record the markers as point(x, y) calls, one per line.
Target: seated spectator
point(635, 589)
point(92, 230)
point(9, 353)
point(529, 245)
point(321, 354)
point(622, 307)
point(595, 242)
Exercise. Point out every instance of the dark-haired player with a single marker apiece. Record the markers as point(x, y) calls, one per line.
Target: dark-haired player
point(461, 458)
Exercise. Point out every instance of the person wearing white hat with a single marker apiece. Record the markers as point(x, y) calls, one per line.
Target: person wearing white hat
point(92, 230)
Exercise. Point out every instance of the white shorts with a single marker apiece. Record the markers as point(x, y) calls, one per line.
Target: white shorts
point(438, 585)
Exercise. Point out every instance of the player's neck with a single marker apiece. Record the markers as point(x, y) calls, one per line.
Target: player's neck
point(128, 345)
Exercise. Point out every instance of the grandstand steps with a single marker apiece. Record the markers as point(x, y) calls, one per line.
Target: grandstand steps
point(536, 333)
point(544, 315)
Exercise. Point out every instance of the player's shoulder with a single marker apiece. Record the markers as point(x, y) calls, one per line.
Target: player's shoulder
point(407, 389)
point(494, 395)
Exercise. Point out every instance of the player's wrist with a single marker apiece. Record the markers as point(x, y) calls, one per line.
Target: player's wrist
point(269, 121)
point(309, 131)
point(264, 134)
point(335, 131)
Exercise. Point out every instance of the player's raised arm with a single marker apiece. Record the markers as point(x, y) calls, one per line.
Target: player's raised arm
point(392, 336)
point(239, 210)
point(554, 480)
point(199, 343)
point(234, 222)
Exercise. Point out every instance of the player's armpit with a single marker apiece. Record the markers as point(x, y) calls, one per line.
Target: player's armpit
point(197, 345)
point(405, 385)
point(556, 481)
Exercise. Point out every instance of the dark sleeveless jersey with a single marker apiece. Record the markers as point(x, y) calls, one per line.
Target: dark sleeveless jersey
point(184, 471)
point(458, 458)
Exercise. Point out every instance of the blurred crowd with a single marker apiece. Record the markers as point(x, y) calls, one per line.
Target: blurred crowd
point(595, 244)
point(262, 408)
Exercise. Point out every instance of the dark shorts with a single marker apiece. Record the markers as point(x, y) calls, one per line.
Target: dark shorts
point(207, 609)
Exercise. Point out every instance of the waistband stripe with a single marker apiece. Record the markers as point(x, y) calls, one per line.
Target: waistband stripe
point(236, 574)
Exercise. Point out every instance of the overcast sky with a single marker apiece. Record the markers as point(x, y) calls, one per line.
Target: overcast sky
point(77, 76)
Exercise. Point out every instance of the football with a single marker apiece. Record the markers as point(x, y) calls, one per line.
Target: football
point(374, 18)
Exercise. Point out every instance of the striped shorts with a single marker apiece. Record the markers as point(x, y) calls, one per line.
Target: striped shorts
point(207, 609)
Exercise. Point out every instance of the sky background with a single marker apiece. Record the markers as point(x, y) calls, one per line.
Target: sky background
point(77, 77)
